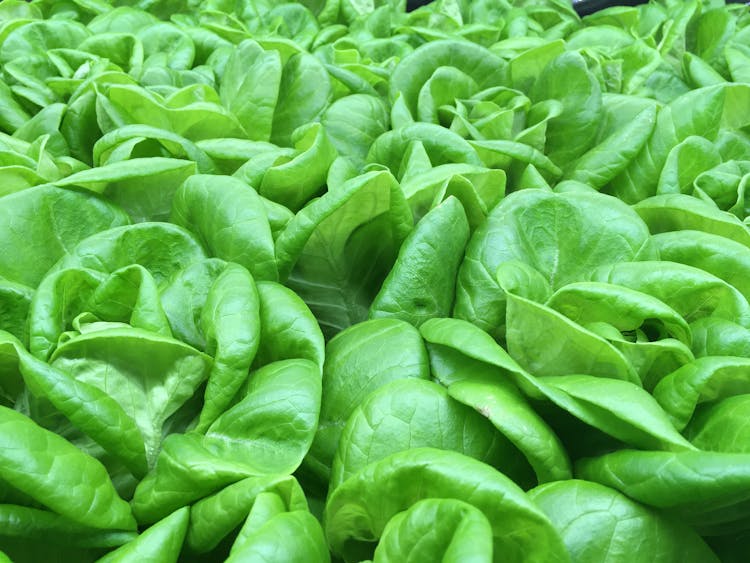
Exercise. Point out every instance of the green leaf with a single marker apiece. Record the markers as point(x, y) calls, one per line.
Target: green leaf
point(126, 142)
point(287, 327)
point(144, 187)
point(230, 319)
point(185, 472)
point(340, 248)
point(162, 541)
point(293, 181)
point(214, 517)
point(567, 79)
point(415, 69)
point(60, 297)
point(721, 426)
point(421, 284)
point(437, 529)
point(546, 343)
point(15, 301)
point(593, 400)
point(229, 218)
point(600, 164)
point(508, 411)
point(705, 379)
point(400, 416)
point(442, 146)
point(619, 408)
point(717, 255)
point(48, 223)
point(356, 365)
point(691, 292)
point(590, 519)
point(562, 236)
point(698, 112)
point(304, 92)
point(86, 406)
point(352, 123)
point(685, 163)
point(719, 337)
point(251, 100)
point(79, 489)
point(162, 248)
point(272, 426)
point(150, 376)
point(33, 525)
point(718, 484)
point(359, 510)
point(270, 542)
point(679, 212)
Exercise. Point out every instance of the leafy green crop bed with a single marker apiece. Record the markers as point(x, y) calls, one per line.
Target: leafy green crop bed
point(301, 282)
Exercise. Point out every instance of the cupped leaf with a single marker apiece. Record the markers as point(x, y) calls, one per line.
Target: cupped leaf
point(719, 337)
point(437, 529)
point(38, 37)
point(270, 543)
point(60, 297)
point(421, 284)
point(479, 64)
point(229, 218)
point(293, 181)
point(15, 303)
point(304, 93)
point(600, 164)
point(48, 222)
point(144, 187)
point(697, 112)
point(339, 248)
point(252, 101)
point(400, 416)
point(597, 401)
point(501, 402)
point(693, 293)
point(272, 426)
point(653, 338)
point(706, 379)
point(478, 188)
point(162, 248)
point(162, 541)
point(185, 472)
point(719, 498)
point(90, 409)
point(441, 145)
point(150, 376)
point(627, 310)
point(214, 517)
point(287, 327)
point(130, 141)
point(717, 255)
point(79, 489)
point(230, 319)
point(590, 518)
point(562, 236)
point(353, 123)
point(680, 212)
point(179, 113)
point(568, 80)
point(619, 408)
point(722, 426)
point(685, 163)
point(356, 365)
point(546, 343)
point(359, 510)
